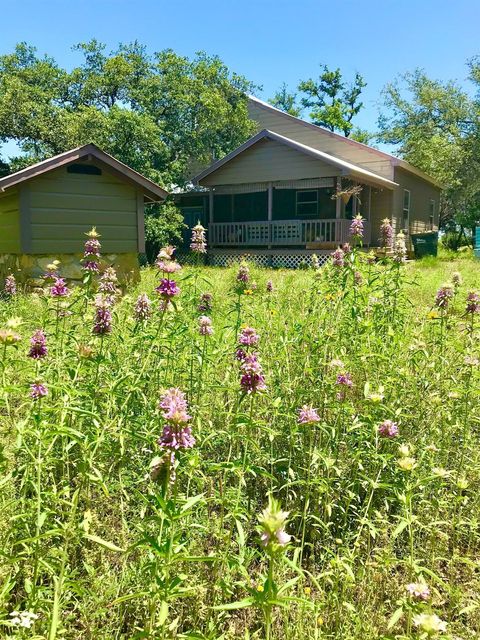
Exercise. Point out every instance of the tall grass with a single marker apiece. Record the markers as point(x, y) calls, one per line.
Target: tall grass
point(103, 536)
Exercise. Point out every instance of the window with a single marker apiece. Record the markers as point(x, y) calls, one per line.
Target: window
point(431, 213)
point(87, 169)
point(307, 203)
point(406, 208)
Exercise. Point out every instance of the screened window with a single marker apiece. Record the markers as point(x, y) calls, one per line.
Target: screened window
point(307, 203)
point(406, 208)
point(431, 213)
point(86, 169)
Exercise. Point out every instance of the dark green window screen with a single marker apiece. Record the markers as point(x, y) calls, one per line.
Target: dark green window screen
point(249, 207)
point(307, 203)
point(283, 204)
point(222, 208)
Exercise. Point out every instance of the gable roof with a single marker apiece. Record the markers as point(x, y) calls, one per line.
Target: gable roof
point(151, 191)
point(394, 161)
point(347, 168)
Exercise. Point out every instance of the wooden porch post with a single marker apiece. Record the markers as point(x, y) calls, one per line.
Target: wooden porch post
point(210, 205)
point(269, 212)
point(338, 213)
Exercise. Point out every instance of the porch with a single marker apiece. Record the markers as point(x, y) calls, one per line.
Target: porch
point(309, 234)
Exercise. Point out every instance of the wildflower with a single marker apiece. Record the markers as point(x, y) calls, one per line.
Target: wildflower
point(174, 406)
point(198, 243)
point(177, 433)
point(166, 253)
point(108, 282)
point(269, 286)
point(272, 527)
point(376, 398)
point(248, 337)
point(14, 323)
point(433, 315)
point(240, 355)
point(205, 302)
point(38, 390)
point(252, 379)
point(248, 292)
point(38, 348)
point(103, 317)
point(338, 258)
point(358, 279)
point(471, 361)
point(444, 295)
point(243, 274)
point(404, 450)
point(308, 415)
point(168, 289)
point(91, 266)
point(386, 231)
point(407, 463)
point(91, 252)
point(59, 288)
point(388, 429)
point(457, 279)
point(10, 286)
point(429, 623)
point(346, 248)
point(400, 248)
point(344, 379)
point(315, 262)
point(440, 472)
point(24, 619)
point(356, 227)
point(337, 363)
point(473, 303)
point(205, 326)
point(143, 308)
point(168, 266)
point(418, 590)
point(8, 337)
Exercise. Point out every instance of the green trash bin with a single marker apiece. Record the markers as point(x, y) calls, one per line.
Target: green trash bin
point(425, 244)
point(477, 242)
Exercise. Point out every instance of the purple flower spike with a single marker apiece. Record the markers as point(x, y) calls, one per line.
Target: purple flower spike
point(388, 429)
point(308, 415)
point(38, 390)
point(168, 289)
point(248, 337)
point(59, 289)
point(38, 348)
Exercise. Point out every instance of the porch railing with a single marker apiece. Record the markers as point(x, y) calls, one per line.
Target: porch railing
point(281, 232)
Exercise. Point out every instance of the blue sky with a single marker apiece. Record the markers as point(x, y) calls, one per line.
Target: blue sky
point(268, 41)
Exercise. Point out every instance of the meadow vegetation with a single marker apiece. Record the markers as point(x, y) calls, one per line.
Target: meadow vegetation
point(242, 453)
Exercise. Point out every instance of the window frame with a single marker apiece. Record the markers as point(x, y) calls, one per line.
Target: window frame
point(431, 212)
point(297, 203)
point(406, 209)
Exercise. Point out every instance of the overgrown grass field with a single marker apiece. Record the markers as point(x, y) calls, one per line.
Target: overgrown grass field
point(128, 510)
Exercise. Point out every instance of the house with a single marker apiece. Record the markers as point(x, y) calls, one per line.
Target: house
point(276, 197)
point(46, 209)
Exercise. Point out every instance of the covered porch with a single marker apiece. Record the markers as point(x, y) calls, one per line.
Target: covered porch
point(297, 214)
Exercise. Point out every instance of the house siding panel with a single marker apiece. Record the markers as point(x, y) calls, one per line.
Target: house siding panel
point(269, 160)
point(421, 192)
point(319, 139)
point(380, 208)
point(9, 223)
point(64, 206)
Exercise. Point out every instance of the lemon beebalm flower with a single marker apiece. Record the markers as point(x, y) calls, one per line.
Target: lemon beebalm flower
point(429, 623)
point(407, 463)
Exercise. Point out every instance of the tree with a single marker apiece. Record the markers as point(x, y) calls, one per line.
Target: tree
point(156, 113)
point(436, 127)
point(332, 101)
point(286, 101)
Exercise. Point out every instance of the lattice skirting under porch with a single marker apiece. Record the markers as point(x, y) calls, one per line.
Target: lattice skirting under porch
point(278, 260)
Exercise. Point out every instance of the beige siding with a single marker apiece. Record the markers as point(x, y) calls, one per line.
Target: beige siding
point(9, 222)
point(320, 139)
point(269, 160)
point(64, 206)
point(421, 192)
point(380, 208)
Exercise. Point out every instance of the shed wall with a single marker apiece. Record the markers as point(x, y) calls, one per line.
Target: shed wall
point(421, 192)
point(9, 222)
point(63, 206)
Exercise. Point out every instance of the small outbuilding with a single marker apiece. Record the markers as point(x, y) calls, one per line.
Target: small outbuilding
point(46, 209)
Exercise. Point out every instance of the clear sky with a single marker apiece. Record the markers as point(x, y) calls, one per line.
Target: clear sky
point(268, 41)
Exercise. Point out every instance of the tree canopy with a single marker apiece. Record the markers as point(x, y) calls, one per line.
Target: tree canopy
point(162, 114)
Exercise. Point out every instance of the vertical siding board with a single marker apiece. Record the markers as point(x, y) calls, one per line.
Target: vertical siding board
point(140, 222)
point(25, 219)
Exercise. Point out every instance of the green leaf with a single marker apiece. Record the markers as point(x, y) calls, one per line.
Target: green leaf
point(163, 613)
point(399, 528)
point(191, 502)
point(395, 617)
point(104, 543)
